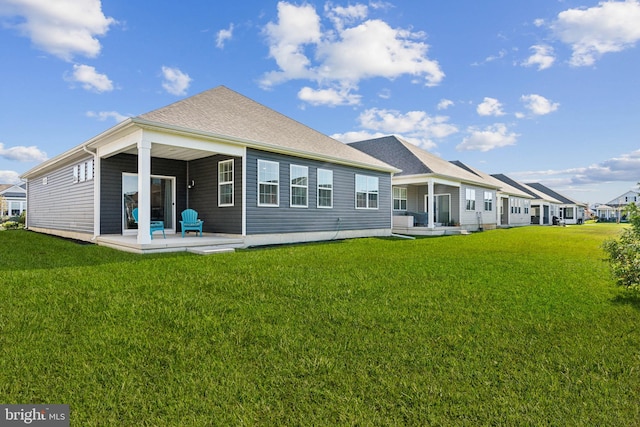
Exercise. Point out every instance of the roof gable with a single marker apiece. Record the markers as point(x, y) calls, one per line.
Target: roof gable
point(390, 150)
point(546, 190)
point(413, 160)
point(504, 186)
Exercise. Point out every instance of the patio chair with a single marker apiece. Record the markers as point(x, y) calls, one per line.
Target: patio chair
point(154, 226)
point(190, 221)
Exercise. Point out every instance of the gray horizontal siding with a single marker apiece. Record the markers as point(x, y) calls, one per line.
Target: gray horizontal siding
point(61, 204)
point(203, 197)
point(343, 215)
point(111, 191)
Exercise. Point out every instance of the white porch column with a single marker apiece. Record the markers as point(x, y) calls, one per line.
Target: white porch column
point(431, 208)
point(144, 191)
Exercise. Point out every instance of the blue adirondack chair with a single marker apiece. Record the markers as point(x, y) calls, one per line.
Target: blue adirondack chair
point(190, 221)
point(154, 226)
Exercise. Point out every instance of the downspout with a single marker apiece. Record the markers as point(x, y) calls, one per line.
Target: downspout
point(96, 192)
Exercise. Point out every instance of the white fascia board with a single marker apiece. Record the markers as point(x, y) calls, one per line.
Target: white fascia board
point(193, 142)
point(423, 179)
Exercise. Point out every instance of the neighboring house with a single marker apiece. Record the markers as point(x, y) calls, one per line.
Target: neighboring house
point(250, 172)
point(570, 211)
point(619, 203)
point(513, 204)
point(543, 208)
point(432, 195)
point(13, 200)
point(605, 212)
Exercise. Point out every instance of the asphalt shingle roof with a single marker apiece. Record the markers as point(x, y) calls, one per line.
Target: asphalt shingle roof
point(414, 160)
point(225, 112)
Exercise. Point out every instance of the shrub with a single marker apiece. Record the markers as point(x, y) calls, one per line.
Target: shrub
point(11, 225)
point(624, 254)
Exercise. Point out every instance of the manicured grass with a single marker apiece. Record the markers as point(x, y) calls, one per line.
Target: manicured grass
point(506, 327)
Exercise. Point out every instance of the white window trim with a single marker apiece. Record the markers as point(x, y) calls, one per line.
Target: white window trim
point(467, 193)
point(221, 183)
point(324, 188)
point(367, 191)
point(292, 186)
point(488, 200)
point(401, 189)
point(277, 164)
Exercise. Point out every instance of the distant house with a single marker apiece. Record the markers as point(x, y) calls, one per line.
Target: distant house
point(13, 200)
point(619, 203)
point(605, 212)
point(543, 207)
point(432, 195)
point(570, 211)
point(514, 205)
point(251, 173)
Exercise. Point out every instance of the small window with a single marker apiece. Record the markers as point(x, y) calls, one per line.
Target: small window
point(366, 192)
point(225, 183)
point(299, 186)
point(470, 195)
point(89, 170)
point(268, 183)
point(82, 168)
point(45, 180)
point(325, 188)
point(488, 201)
point(76, 173)
point(399, 198)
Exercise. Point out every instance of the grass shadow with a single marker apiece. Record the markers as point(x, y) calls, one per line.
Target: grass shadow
point(628, 297)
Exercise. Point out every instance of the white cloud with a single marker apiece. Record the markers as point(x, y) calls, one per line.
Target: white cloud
point(542, 57)
point(490, 107)
point(63, 28)
point(444, 104)
point(539, 105)
point(296, 27)
point(104, 115)
point(357, 136)
point(624, 168)
point(346, 54)
point(223, 36)
point(417, 127)
point(330, 97)
point(341, 16)
point(538, 22)
point(487, 139)
point(612, 26)
point(175, 81)
point(9, 177)
point(23, 154)
point(90, 79)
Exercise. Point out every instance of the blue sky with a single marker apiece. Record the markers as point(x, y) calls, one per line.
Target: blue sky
point(543, 91)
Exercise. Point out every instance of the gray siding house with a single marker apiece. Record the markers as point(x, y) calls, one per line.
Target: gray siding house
point(251, 173)
point(430, 195)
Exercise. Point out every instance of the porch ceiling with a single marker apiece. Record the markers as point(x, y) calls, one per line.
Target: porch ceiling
point(173, 152)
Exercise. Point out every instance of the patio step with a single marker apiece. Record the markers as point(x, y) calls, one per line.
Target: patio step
point(210, 250)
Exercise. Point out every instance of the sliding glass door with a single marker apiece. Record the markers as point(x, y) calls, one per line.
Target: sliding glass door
point(162, 201)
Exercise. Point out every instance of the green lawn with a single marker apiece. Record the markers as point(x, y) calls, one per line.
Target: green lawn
point(506, 327)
